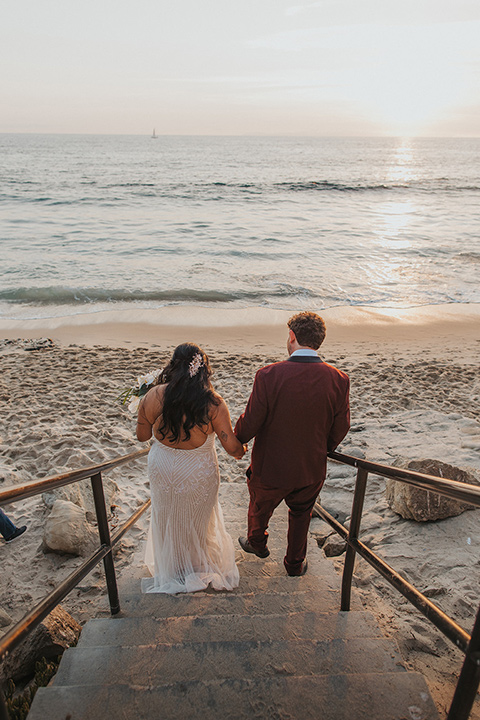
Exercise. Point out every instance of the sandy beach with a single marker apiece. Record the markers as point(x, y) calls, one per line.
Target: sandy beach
point(415, 394)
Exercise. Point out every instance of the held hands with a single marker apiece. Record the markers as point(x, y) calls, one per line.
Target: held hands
point(240, 453)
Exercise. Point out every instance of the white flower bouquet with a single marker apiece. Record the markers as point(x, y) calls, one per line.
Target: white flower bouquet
point(133, 395)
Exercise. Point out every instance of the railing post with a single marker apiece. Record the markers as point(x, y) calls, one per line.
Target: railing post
point(356, 517)
point(104, 533)
point(467, 686)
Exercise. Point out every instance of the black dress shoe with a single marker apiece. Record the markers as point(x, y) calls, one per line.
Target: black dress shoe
point(245, 545)
point(302, 571)
point(16, 533)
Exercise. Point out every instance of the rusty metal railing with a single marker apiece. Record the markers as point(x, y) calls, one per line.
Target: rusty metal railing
point(104, 552)
point(469, 678)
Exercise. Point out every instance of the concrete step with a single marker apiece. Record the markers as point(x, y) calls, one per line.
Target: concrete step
point(253, 583)
point(250, 566)
point(388, 696)
point(159, 605)
point(307, 625)
point(318, 566)
point(165, 664)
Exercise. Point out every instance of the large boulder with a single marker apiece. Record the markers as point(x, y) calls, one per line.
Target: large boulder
point(81, 494)
point(413, 503)
point(67, 530)
point(49, 639)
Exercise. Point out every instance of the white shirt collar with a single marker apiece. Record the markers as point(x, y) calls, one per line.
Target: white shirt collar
point(304, 351)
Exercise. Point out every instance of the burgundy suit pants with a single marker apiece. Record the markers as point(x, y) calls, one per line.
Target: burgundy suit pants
point(300, 502)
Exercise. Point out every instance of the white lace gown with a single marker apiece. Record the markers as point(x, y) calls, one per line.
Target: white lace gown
point(188, 547)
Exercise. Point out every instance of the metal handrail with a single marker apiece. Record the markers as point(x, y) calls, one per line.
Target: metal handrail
point(18, 492)
point(469, 679)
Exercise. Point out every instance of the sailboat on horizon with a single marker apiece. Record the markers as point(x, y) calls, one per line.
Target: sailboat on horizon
point(154, 137)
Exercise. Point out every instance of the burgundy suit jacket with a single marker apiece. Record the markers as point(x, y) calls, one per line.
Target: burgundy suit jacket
point(298, 410)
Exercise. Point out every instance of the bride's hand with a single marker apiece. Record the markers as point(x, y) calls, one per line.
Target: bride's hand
point(241, 453)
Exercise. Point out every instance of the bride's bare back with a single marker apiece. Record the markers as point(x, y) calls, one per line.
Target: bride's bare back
point(150, 419)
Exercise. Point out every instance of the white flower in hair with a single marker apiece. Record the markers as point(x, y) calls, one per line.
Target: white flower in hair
point(195, 364)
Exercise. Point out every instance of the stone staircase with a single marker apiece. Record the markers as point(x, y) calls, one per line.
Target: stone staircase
point(276, 648)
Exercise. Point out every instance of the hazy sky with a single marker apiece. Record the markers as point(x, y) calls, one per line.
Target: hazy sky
point(262, 67)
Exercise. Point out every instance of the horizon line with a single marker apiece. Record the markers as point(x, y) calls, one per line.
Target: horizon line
point(244, 135)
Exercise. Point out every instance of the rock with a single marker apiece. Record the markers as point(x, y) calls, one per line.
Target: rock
point(334, 546)
point(435, 591)
point(356, 452)
point(81, 494)
point(5, 618)
point(9, 475)
point(57, 632)
point(357, 428)
point(337, 471)
point(337, 514)
point(317, 525)
point(68, 531)
point(421, 505)
point(321, 537)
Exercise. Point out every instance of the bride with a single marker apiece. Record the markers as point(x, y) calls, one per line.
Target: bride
point(188, 547)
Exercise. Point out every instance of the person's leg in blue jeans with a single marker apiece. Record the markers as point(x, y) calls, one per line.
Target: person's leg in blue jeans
point(7, 528)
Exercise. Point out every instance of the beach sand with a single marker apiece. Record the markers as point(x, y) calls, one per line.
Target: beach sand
point(415, 391)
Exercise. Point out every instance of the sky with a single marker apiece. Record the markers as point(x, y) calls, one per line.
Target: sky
point(243, 67)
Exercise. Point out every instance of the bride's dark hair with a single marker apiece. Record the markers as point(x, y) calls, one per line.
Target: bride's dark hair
point(189, 394)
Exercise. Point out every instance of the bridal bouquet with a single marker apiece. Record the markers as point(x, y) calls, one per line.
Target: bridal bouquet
point(133, 395)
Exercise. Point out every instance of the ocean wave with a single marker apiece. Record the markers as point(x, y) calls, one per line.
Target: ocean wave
point(326, 185)
point(426, 186)
point(121, 193)
point(180, 188)
point(61, 295)
point(129, 185)
point(433, 186)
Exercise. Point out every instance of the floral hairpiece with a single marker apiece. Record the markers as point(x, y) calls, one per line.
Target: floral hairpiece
point(195, 364)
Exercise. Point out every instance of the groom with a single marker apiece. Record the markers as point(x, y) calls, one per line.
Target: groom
point(298, 410)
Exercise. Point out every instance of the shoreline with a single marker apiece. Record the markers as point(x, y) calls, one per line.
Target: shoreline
point(247, 329)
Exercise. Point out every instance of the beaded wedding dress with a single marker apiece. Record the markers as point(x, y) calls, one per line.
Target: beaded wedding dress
point(188, 547)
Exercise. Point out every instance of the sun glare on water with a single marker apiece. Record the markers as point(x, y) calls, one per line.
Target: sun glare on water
point(392, 223)
point(402, 167)
point(393, 218)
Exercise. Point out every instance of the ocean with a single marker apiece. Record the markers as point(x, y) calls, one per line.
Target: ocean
point(90, 223)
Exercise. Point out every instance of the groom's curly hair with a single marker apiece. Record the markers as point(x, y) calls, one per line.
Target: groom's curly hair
point(309, 329)
point(189, 396)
